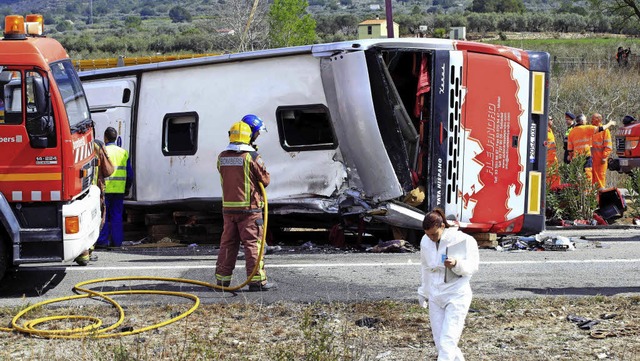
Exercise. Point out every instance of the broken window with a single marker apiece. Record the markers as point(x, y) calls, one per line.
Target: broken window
point(180, 134)
point(305, 127)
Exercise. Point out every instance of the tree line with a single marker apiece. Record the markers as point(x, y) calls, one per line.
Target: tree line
point(158, 27)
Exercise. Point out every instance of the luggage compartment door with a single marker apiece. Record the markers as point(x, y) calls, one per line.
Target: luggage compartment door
point(111, 104)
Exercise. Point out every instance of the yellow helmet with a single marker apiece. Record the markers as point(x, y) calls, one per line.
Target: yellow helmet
point(240, 132)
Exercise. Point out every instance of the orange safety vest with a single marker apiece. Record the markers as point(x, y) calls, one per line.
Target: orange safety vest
point(581, 138)
point(602, 145)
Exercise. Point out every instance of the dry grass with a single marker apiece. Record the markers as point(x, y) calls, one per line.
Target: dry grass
point(514, 329)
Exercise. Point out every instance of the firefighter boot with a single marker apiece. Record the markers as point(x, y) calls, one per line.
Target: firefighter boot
point(83, 259)
point(259, 287)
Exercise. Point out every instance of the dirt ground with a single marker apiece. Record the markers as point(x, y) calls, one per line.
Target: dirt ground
point(514, 329)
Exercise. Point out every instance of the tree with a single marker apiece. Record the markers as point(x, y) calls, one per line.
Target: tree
point(178, 14)
point(497, 6)
point(248, 26)
point(132, 22)
point(626, 10)
point(482, 22)
point(290, 24)
point(147, 11)
point(64, 25)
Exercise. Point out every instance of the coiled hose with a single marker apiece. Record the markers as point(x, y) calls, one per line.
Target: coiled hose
point(95, 329)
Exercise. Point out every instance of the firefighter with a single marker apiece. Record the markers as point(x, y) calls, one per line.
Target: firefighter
point(448, 299)
point(116, 187)
point(553, 177)
point(581, 139)
point(241, 169)
point(570, 120)
point(600, 151)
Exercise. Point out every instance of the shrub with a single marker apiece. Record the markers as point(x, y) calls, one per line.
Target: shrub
point(439, 33)
point(577, 198)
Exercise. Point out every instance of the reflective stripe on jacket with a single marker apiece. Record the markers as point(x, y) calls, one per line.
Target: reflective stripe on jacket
point(117, 181)
point(240, 173)
point(602, 145)
point(580, 139)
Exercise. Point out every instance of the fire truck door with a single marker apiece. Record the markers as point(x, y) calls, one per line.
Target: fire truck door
point(28, 139)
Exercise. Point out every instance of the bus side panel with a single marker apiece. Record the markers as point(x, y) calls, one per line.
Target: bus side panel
point(496, 130)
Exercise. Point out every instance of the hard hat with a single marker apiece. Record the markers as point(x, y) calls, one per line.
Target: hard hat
point(240, 132)
point(254, 122)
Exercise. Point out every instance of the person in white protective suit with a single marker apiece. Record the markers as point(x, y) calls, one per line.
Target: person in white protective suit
point(448, 301)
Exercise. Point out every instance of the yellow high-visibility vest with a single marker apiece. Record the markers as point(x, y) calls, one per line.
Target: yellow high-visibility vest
point(117, 181)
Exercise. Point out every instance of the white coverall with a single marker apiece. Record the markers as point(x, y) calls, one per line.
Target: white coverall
point(448, 302)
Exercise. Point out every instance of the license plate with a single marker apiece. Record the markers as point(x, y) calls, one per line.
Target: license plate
point(624, 162)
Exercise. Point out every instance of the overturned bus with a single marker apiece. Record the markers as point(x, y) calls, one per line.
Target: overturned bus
point(353, 127)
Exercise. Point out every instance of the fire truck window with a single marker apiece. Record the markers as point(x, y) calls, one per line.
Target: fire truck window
point(75, 102)
point(11, 87)
point(305, 127)
point(180, 134)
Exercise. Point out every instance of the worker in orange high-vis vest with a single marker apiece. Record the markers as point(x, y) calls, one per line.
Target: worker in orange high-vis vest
point(553, 175)
point(600, 151)
point(241, 170)
point(581, 139)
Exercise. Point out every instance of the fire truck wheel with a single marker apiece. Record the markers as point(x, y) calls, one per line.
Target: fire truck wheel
point(3, 258)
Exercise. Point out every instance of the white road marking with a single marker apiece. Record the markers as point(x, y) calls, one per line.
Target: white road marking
point(311, 265)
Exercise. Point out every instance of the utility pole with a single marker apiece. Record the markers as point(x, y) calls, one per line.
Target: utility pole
point(389, 12)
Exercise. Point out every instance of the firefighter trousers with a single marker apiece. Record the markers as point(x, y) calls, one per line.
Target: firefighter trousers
point(245, 228)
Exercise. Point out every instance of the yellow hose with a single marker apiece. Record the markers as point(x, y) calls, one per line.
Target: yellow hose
point(95, 329)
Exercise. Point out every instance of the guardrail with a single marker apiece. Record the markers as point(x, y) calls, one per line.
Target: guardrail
point(92, 64)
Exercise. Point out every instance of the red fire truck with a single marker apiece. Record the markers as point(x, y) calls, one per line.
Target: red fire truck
point(49, 209)
point(627, 140)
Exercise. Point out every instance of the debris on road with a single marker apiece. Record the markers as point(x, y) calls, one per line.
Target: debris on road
point(537, 243)
point(392, 246)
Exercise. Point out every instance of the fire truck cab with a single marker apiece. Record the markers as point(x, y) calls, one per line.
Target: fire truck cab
point(627, 140)
point(49, 207)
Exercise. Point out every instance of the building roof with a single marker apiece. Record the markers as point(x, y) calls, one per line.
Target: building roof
point(373, 22)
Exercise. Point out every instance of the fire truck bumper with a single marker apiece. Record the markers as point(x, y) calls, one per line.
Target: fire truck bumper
point(624, 165)
point(81, 220)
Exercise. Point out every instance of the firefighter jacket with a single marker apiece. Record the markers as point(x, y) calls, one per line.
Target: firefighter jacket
point(581, 138)
point(241, 169)
point(118, 180)
point(602, 146)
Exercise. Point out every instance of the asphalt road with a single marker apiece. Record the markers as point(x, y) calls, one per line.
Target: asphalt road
point(605, 262)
